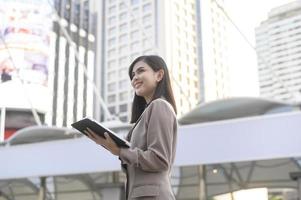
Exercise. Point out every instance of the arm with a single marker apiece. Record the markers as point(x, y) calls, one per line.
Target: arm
point(160, 135)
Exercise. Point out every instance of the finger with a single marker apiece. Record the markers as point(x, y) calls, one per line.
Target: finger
point(89, 129)
point(99, 140)
point(90, 135)
point(93, 134)
point(109, 139)
point(87, 133)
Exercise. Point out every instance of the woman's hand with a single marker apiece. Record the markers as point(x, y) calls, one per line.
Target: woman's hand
point(106, 142)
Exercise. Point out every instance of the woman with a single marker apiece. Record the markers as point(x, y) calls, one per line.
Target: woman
point(149, 160)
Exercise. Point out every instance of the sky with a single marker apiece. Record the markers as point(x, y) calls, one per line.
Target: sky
point(242, 59)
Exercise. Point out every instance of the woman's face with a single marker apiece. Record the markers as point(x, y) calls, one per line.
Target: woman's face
point(145, 80)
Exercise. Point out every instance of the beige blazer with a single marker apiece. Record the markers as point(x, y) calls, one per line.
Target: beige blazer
point(149, 159)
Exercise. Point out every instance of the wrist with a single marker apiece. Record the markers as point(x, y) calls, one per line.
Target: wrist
point(117, 151)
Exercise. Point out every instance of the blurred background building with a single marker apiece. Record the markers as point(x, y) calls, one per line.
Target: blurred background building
point(278, 45)
point(72, 64)
point(24, 64)
point(190, 35)
point(47, 61)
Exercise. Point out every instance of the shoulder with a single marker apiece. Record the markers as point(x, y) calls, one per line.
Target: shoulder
point(161, 105)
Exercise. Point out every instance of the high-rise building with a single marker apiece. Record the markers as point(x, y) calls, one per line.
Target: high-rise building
point(278, 45)
point(44, 46)
point(24, 45)
point(172, 29)
point(73, 62)
point(213, 43)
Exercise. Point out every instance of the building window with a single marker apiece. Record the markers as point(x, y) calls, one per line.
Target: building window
point(123, 84)
point(146, 43)
point(122, 6)
point(123, 118)
point(122, 61)
point(134, 24)
point(192, 6)
point(177, 6)
point(123, 16)
point(123, 49)
point(134, 2)
point(134, 35)
point(112, 31)
point(112, 53)
point(112, 9)
point(147, 7)
point(112, 42)
point(123, 96)
point(112, 110)
point(123, 38)
point(111, 75)
point(123, 108)
point(123, 72)
point(135, 46)
point(148, 28)
point(112, 20)
point(112, 98)
point(194, 39)
point(147, 19)
point(123, 27)
point(111, 87)
point(112, 64)
point(136, 11)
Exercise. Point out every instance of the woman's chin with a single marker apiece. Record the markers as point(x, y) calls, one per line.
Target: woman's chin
point(139, 93)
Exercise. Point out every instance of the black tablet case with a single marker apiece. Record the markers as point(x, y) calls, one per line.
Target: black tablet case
point(99, 129)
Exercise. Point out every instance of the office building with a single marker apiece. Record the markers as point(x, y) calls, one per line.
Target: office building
point(72, 66)
point(175, 30)
point(278, 45)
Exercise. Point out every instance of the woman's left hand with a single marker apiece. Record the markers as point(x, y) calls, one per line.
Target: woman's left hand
point(106, 142)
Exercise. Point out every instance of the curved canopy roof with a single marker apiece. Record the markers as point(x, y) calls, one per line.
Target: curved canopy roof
point(234, 108)
point(35, 134)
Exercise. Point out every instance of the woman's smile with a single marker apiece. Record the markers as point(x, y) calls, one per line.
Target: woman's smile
point(137, 84)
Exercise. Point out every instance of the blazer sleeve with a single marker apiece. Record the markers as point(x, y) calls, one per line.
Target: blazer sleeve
point(160, 135)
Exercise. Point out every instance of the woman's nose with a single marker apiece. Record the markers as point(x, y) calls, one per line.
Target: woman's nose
point(134, 78)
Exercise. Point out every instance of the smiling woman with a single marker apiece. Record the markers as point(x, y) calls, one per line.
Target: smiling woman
point(151, 73)
point(145, 79)
point(148, 161)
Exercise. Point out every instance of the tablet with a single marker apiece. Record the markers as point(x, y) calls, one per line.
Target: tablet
point(99, 129)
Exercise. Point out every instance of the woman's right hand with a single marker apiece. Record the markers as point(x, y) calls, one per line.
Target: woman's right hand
point(106, 142)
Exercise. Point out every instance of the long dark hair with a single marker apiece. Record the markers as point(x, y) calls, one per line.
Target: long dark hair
point(163, 88)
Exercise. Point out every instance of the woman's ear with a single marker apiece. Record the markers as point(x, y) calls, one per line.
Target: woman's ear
point(160, 75)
